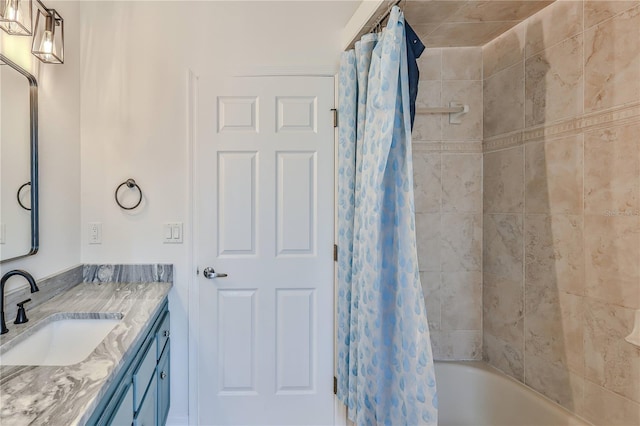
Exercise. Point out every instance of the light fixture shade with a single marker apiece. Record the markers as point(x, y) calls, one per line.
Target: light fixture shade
point(15, 17)
point(48, 37)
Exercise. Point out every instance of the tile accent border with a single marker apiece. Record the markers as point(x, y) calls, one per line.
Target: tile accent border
point(462, 147)
point(618, 116)
point(497, 143)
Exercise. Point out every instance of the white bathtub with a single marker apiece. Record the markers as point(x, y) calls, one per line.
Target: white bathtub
point(474, 394)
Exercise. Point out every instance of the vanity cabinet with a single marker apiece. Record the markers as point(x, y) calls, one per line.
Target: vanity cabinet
point(164, 382)
point(140, 394)
point(124, 411)
point(147, 412)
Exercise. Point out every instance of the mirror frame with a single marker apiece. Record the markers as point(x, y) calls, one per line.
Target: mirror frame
point(33, 97)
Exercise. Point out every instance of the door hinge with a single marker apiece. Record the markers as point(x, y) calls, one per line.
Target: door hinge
point(335, 252)
point(335, 117)
point(335, 385)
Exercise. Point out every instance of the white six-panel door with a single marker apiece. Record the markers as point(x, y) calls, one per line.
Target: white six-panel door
point(265, 158)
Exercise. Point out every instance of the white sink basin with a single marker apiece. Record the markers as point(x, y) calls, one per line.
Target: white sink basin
point(60, 342)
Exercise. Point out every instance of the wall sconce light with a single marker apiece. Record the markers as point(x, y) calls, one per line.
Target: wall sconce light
point(48, 38)
point(15, 17)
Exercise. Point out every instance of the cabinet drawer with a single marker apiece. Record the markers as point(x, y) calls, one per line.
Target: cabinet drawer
point(144, 373)
point(162, 335)
point(147, 414)
point(164, 386)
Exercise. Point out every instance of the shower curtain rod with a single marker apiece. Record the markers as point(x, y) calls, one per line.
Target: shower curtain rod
point(456, 110)
point(384, 16)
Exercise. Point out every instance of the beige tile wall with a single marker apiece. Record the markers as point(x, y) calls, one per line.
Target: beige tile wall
point(561, 243)
point(448, 195)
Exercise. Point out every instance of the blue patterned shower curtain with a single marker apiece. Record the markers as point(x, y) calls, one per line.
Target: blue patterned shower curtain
point(385, 365)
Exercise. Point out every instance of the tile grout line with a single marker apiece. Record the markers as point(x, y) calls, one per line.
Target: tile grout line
point(440, 231)
point(584, 254)
point(524, 209)
point(616, 15)
point(481, 349)
point(440, 221)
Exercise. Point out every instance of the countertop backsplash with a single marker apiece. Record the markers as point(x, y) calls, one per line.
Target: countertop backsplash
point(49, 288)
point(69, 278)
point(127, 273)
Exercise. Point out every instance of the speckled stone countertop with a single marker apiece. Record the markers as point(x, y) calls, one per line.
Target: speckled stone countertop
point(67, 395)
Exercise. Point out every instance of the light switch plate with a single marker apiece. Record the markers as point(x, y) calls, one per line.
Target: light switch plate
point(172, 233)
point(95, 233)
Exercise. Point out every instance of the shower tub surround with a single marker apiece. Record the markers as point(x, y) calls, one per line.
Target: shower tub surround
point(447, 165)
point(562, 206)
point(69, 394)
point(558, 182)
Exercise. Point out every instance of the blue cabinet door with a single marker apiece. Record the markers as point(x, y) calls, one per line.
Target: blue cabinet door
point(124, 413)
point(164, 385)
point(162, 335)
point(143, 373)
point(147, 413)
point(140, 394)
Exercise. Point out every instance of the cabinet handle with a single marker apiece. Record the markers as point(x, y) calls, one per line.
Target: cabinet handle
point(166, 333)
point(163, 375)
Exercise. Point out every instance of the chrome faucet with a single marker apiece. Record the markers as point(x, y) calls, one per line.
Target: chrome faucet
point(25, 275)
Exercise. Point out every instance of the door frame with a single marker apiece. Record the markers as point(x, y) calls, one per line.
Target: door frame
point(193, 308)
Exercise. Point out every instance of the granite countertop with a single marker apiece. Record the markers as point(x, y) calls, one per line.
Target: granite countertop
point(67, 395)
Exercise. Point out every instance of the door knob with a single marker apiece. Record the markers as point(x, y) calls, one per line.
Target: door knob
point(210, 274)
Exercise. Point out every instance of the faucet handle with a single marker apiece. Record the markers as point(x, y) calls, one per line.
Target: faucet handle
point(21, 318)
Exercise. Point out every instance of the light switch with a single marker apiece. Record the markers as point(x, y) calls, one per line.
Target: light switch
point(172, 233)
point(95, 233)
point(176, 233)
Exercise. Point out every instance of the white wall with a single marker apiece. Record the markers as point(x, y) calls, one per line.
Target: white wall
point(59, 148)
point(135, 62)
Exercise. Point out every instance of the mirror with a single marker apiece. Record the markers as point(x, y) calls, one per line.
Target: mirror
point(18, 162)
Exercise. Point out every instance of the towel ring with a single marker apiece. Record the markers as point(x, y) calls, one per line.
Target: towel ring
point(130, 184)
point(18, 195)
